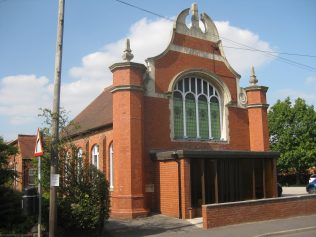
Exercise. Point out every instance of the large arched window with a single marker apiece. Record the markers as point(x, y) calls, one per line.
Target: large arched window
point(196, 110)
point(111, 167)
point(95, 156)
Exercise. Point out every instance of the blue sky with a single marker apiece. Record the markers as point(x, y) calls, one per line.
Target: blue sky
point(93, 39)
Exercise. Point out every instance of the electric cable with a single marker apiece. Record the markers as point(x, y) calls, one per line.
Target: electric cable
point(245, 47)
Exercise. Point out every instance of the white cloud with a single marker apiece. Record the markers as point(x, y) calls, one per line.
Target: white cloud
point(22, 95)
point(242, 60)
point(309, 93)
point(148, 39)
point(308, 96)
point(310, 81)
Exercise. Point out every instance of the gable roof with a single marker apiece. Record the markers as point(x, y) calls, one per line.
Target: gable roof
point(26, 145)
point(96, 115)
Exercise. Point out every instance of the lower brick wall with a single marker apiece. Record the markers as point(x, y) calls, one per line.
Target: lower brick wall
point(215, 215)
point(169, 189)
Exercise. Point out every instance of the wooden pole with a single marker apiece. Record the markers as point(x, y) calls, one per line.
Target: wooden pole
point(55, 119)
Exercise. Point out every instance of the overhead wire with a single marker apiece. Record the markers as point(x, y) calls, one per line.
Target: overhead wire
point(243, 46)
point(283, 59)
point(275, 52)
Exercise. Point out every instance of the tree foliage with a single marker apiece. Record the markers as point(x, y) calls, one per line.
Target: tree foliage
point(293, 133)
point(6, 150)
point(12, 220)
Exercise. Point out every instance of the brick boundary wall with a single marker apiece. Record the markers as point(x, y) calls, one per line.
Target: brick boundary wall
point(215, 215)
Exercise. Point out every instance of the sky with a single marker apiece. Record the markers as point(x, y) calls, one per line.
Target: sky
point(94, 35)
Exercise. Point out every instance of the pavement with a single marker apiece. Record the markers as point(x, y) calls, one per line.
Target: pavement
point(294, 191)
point(160, 225)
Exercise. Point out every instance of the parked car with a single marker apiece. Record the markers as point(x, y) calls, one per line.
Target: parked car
point(311, 187)
point(312, 178)
point(280, 190)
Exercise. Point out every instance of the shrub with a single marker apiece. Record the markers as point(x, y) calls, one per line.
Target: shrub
point(83, 200)
point(12, 220)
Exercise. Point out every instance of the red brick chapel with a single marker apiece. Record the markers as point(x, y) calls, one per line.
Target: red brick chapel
point(179, 131)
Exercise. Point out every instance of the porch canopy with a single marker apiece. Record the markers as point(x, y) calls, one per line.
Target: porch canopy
point(216, 176)
point(213, 154)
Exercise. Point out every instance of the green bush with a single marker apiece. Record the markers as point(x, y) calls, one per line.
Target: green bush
point(12, 220)
point(83, 202)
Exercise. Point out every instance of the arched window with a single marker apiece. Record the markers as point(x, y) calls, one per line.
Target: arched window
point(95, 156)
point(79, 159)
point(67, 171)
point(196, 110)
point(111, 155)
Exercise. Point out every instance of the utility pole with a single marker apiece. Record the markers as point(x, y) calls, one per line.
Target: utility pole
point(55, 120)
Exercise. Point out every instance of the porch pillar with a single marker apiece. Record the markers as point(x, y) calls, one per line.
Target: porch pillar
point(185, 188)
point(253, 180)
point(216, 181)
point(264, 178)
point(202, 166)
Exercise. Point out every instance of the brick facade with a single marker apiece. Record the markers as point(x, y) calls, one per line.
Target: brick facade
point(135, 114)
point(22, 162)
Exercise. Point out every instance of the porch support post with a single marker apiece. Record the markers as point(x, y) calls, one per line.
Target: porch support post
point(216, 181)
point(264, 178)
point(253, 180)
point(203, 180)
point(185, 188)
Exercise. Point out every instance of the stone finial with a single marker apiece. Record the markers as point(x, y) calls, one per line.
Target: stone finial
point(253, 79)
point(195, 15)
point(127, 54)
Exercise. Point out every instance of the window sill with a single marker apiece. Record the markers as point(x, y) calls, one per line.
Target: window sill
point(199, 140)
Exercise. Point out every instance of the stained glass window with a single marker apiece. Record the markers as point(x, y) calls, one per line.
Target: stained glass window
point(196, 110)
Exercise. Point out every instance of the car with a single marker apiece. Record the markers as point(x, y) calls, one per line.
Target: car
point(280, 190)
point(312, 178)
point(311, 187)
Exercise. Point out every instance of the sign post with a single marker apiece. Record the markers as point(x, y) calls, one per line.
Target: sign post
point(38, 153)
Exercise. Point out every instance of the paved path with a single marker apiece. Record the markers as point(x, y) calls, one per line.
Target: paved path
point(292, 191)
point(159, 225)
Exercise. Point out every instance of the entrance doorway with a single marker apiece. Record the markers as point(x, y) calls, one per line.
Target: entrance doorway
point(225, 180)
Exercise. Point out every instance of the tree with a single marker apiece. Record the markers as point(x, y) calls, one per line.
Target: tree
point(6, 150)
point(293, 134)
point(12, 220)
